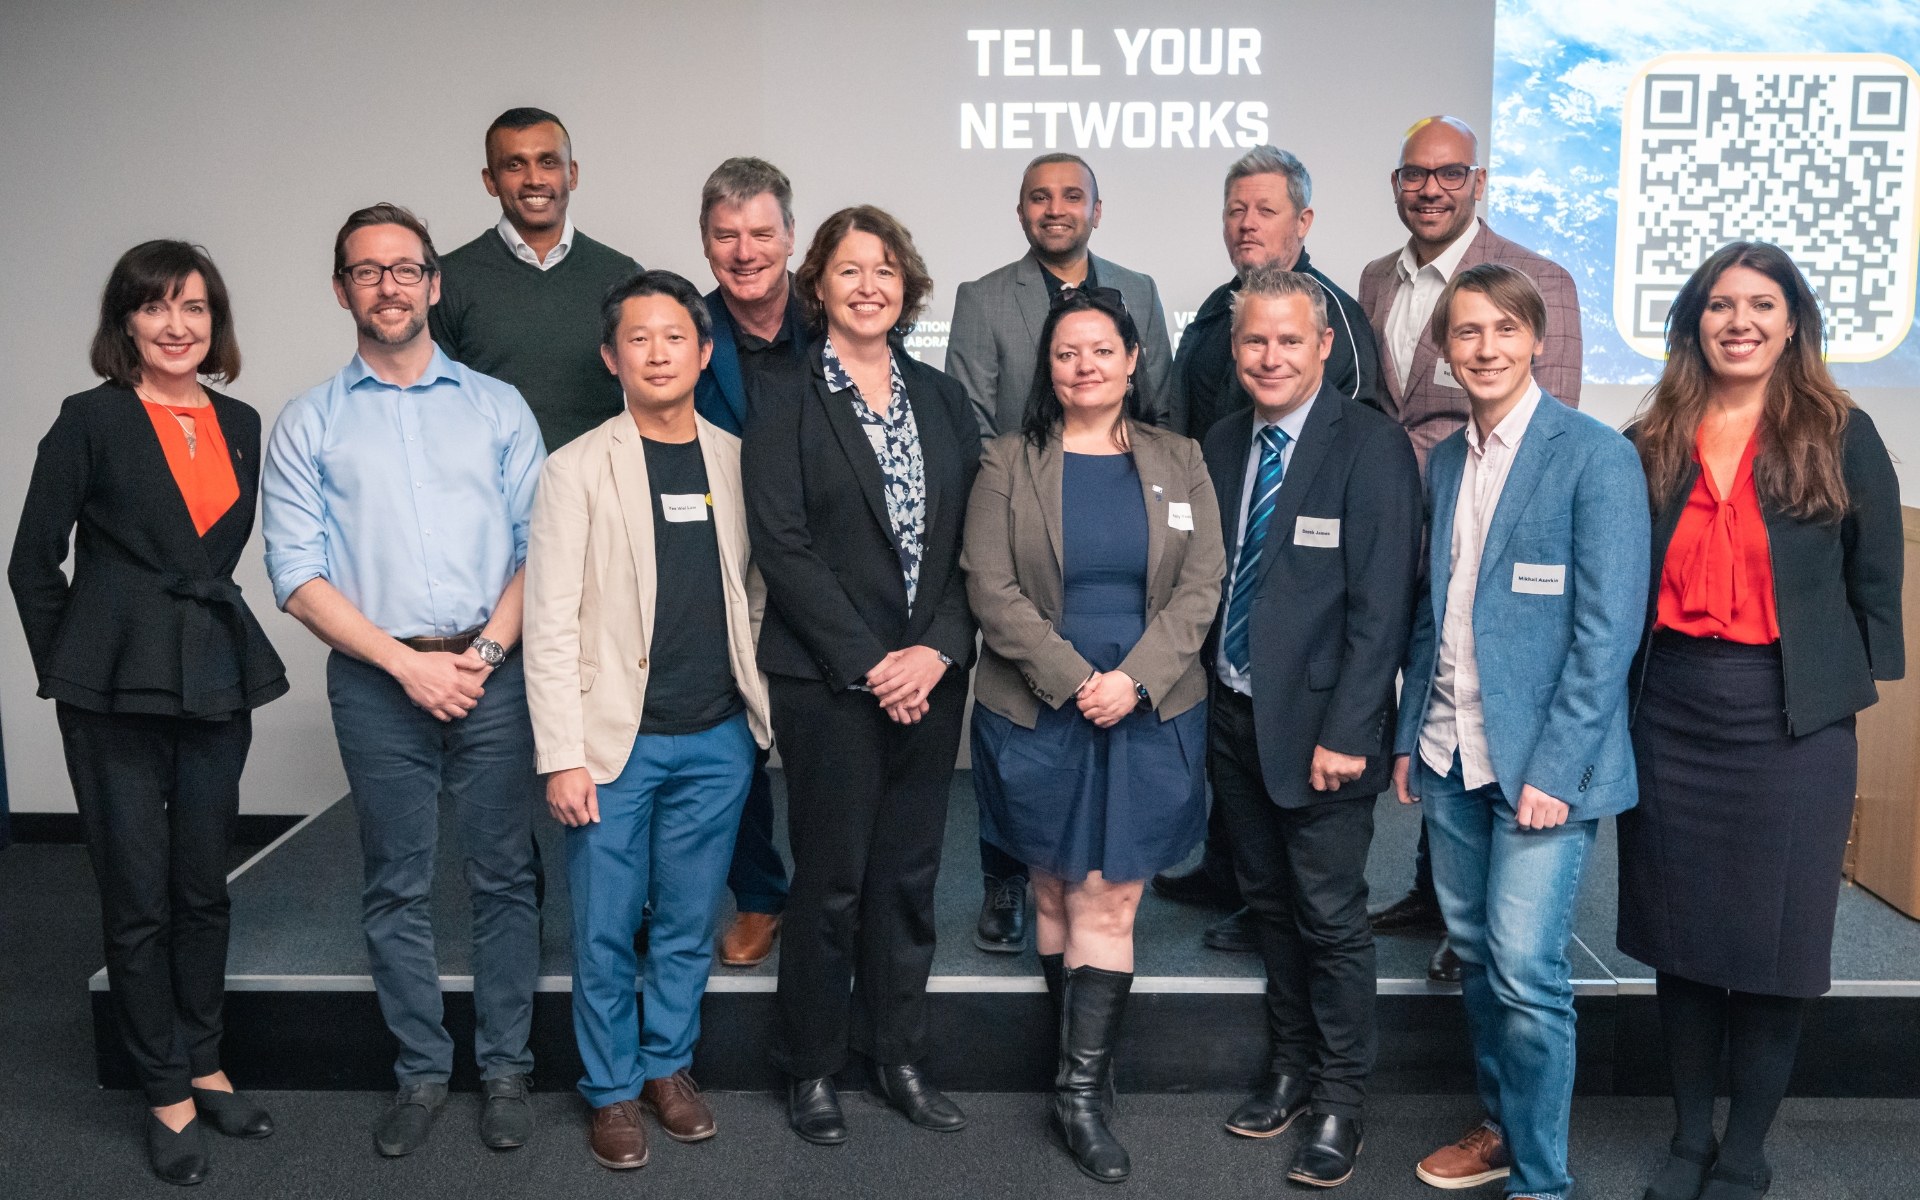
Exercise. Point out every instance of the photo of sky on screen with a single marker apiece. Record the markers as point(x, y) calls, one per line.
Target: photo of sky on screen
point(1631, 140)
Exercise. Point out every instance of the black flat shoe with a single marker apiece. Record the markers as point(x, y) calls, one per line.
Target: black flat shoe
point(1002, 927)
point(1234, 934)
point(813, 1111)
point(903, 1087)
point(1725, 1183)
point(1684, 1174)
point(179, 1158)
point(232, 1113)
point(1326, 1158)
point(1269, 1111)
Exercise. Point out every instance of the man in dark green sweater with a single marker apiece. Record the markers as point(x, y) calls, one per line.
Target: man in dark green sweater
point(521, 302)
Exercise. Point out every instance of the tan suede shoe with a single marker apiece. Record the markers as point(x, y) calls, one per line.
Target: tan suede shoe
point(1480, 1156)
point(677, 1104)
point(619, 1140)
point(749, 939)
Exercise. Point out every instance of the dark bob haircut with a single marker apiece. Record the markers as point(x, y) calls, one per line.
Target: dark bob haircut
point(1045, 413)
point(655, 283)
point(157, 270)
point(864, 218)
point(384, 213)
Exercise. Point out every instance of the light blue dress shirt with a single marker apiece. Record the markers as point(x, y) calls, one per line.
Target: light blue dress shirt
point(414, 502)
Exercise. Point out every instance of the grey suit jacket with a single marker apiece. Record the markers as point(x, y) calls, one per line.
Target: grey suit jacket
point(993, 345)
point(1014, 560)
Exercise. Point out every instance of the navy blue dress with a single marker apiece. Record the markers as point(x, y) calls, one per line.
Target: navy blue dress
point(1066, 796)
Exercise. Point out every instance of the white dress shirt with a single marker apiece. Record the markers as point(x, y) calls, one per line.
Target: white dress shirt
point(1291, 425)
point(1454, 718)
point(525, 253)
point(1413, 301)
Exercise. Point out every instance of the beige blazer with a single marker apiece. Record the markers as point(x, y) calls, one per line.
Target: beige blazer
point(1014, 570)
point(590, 593)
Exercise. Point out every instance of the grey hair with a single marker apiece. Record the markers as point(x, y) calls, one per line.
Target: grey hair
point(1272, 160)
point(739, 180)
point(1272, 283)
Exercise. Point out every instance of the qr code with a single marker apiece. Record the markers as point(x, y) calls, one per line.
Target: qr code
point(1813, 152)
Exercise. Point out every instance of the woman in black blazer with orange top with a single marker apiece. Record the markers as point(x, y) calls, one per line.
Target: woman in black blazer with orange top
point(155, 664)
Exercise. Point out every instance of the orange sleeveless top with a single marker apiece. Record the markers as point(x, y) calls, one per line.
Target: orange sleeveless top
point(204, 473)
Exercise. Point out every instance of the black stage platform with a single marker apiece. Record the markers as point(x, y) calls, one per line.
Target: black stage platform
point(301, 1011)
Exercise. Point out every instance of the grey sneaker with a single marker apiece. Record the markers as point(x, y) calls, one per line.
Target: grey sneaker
point(404, 1129)
point(506, 1119)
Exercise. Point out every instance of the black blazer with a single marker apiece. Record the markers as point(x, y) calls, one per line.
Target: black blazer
point(1836, 587)
point(817, 514)
point(152, 621)
point(1330, 623)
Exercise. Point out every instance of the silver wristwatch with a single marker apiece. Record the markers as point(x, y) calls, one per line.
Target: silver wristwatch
point(491, 652)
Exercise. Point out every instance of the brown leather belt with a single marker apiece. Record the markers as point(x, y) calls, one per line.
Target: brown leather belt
point(457, 644)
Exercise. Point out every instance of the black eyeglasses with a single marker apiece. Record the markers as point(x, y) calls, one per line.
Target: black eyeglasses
point(1107, 294)
point(406, 274)
point(1412, 179)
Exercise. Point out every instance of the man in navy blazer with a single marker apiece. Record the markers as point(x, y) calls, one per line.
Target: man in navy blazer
point(1320, 511)
point(1513, 718)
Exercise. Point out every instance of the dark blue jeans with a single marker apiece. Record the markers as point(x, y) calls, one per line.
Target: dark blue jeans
point(757, 878)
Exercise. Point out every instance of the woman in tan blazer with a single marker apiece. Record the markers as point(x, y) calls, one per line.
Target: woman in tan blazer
point(1093, 560)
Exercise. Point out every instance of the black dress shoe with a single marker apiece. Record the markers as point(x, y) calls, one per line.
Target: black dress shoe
point(405, 1127)
point(1199, 887)
point(1415, 912)
point(1269, 1111)
point(506, 1119)
point(233, 1114)
point(1002, 928)
point(1233, 934)
point(813, 1111)
point(179, 1158)
point(1684, 1174)
point(1326, 1158)
point(1444, 966)
point(906, 1089)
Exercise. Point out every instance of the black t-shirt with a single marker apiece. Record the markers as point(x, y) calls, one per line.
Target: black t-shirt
point(759, 355)
point(690, 685)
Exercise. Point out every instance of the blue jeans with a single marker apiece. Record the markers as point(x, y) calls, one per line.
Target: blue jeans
point(400, 761)
point(665, 834)
point(758, 878)
point(1508, 895)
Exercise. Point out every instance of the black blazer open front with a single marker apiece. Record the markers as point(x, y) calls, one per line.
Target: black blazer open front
point(817, 514)
point(1330, 624)
point(1836, 586)
point(152, 621)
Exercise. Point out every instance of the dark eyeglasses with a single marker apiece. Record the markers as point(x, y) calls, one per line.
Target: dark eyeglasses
point(1107, 294)
point(406, 274)
point(1412, 179)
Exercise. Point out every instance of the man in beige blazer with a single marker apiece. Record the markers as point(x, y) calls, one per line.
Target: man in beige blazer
point(647, 706)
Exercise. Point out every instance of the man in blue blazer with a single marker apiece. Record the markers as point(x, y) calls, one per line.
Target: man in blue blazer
point(1513, 718)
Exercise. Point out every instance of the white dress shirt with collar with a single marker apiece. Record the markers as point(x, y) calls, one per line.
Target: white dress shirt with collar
point(1455, 720)
point(1413, 301)
point(525, 253)
point(1291, 425)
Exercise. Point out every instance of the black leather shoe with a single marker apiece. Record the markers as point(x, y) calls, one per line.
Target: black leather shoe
point(1199, 887)
point(233, 1114)
point(1684, 1173)
point(179, 1158)
point(1725, 1183)
point(405, 1127)
point(904, 1088)
point(1444, 966)
point(1269, 1111)
point(1002, 928)
point(506, 1119)
point(1415, 912)
point(813, 1111)
point(1326, 1158)
point(1233, 934)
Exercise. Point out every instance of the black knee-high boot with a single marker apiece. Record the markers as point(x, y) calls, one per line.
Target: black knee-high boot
point(1092, 1007)
point(1054, 968)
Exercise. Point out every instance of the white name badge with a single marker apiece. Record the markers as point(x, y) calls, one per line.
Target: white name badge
point(1316, 531)
point(1443, 375)
point(1537, 580)
point(690, 507)
point(1179, 516)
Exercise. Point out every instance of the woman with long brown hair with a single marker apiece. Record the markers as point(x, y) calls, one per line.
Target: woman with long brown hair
point(1774, 604)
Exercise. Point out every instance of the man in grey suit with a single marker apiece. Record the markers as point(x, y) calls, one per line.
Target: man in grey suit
point(993, 350)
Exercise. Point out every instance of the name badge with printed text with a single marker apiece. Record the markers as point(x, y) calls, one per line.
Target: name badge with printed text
point(1536, 579)
point(1316, 531)
point(678, 509)
point(1443, 375)
point(1179, 516)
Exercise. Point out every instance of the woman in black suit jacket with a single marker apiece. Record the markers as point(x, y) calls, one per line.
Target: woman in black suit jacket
point(857, 465)
point(154, 663)
point(1773, 606)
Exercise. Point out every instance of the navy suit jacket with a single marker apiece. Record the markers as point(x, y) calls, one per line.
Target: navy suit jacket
point(721, 396)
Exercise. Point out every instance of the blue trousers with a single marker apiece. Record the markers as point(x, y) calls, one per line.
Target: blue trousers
point(665, 835)
point(757, 878)
point(1508, 896)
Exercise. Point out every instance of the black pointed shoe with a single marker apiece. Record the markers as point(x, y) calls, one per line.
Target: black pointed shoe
point(1326, 1158)
point(232, 1113)
point(1725, 1183)
point(904, 1088)
point(813, 1111)
point(1269, 1111)
point(1684, 1174)
point(1094, 1003)
point(179, 1158)
point(1002, 927)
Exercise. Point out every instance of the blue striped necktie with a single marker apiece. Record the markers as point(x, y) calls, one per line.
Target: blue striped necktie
point(1266, 489)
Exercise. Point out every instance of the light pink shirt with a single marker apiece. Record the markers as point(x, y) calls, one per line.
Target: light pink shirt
point(1454, 717)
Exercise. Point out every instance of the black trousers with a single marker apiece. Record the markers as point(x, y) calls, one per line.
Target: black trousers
point(866, 812)
point(1303, 872)
point(159, 797)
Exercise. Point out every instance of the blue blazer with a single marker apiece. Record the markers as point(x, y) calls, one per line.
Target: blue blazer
point(1553, 668)
point(721, 395)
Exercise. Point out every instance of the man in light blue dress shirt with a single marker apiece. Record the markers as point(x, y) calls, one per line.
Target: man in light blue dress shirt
point(396, 503)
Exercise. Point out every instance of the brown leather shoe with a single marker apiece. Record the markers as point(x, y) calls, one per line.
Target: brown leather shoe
point(1478, 1157)
point(749, 939)
point(619, 1140)
point(677, 1104)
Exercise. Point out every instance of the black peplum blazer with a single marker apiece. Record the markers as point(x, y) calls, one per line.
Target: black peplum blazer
point(152, 621)
point(817, 515)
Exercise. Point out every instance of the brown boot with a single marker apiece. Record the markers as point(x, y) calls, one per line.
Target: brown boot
point(619, 1140)
point(677, 1104)
point(749, 939)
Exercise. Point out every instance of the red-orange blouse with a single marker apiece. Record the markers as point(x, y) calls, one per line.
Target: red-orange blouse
point(1717, 580)
point(205, 476)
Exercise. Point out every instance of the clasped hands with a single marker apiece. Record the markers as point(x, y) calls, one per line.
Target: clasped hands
point(1536, 809)
point(902, 680)
point(446, 685)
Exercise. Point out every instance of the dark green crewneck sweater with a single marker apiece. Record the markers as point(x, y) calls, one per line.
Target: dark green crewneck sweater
point(537, 330)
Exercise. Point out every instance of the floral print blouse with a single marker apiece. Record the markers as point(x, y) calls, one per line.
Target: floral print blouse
point(896, 444)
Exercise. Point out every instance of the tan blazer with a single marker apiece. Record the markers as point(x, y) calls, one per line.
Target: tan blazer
point(1014, 569)
point(590, 592)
